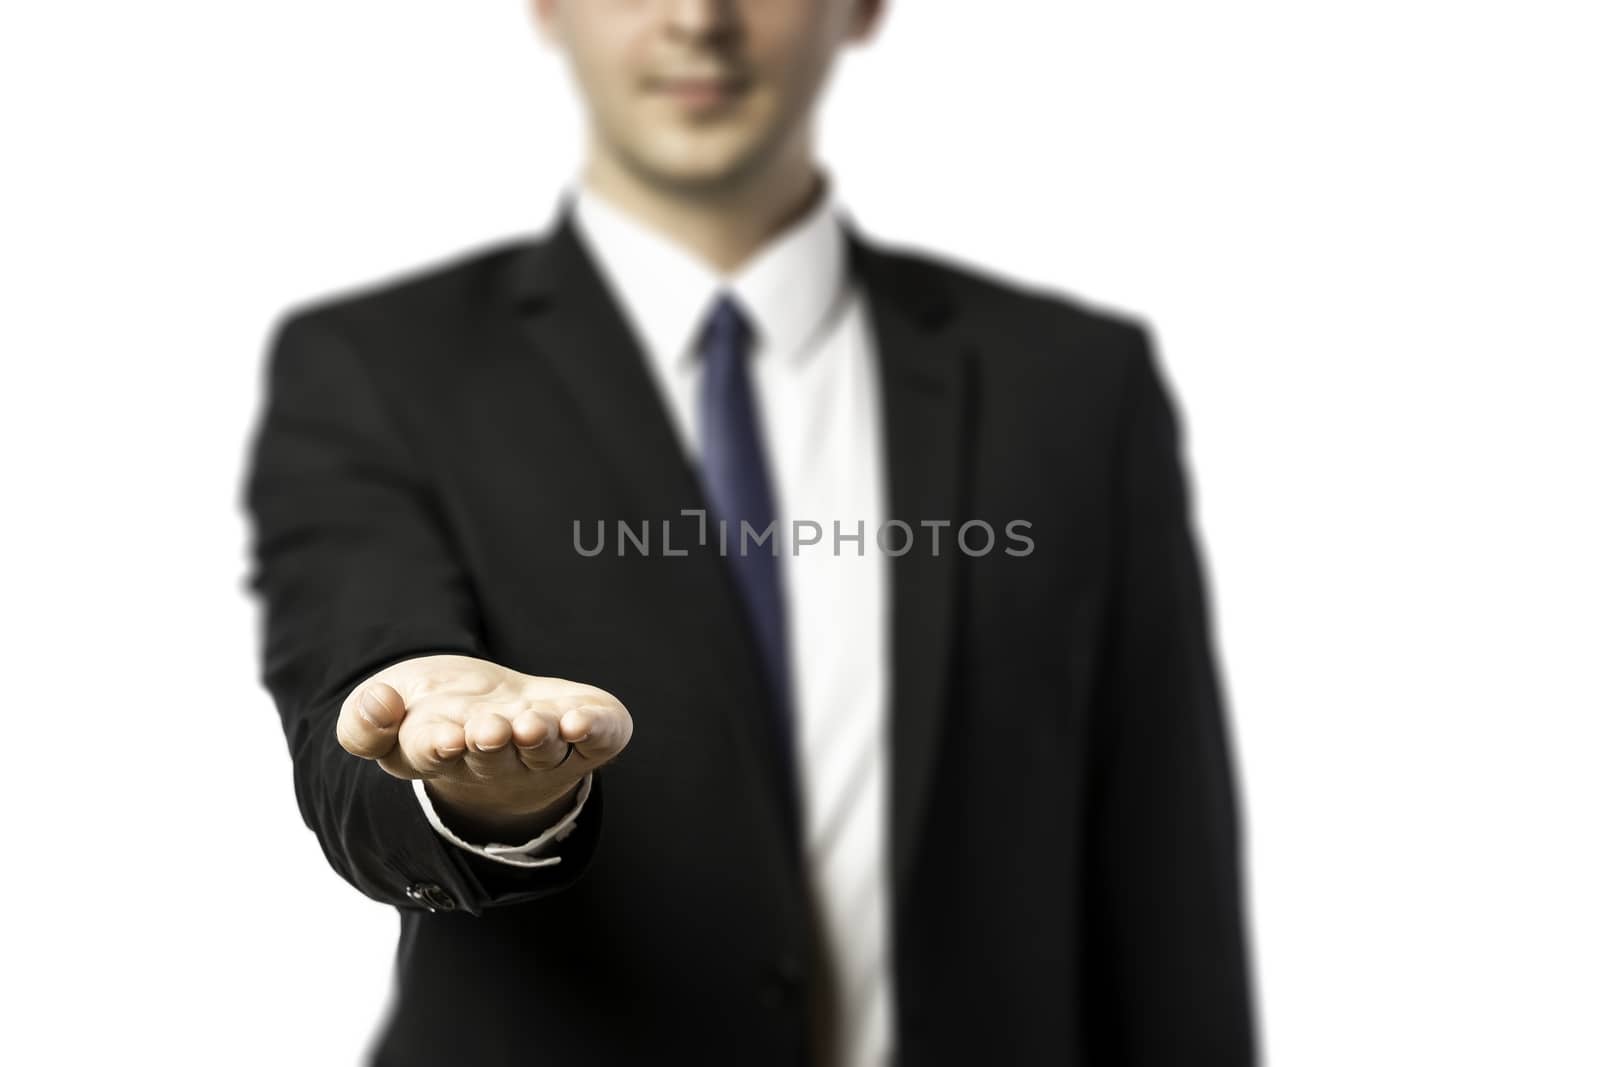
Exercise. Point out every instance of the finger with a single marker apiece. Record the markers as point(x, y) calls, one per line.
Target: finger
point(597, 733)
point(529, 728)
point(539, 744)
point(429, 751)
point(490, 753)
point(369, 721)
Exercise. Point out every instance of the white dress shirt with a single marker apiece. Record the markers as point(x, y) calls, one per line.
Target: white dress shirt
point(815, 376)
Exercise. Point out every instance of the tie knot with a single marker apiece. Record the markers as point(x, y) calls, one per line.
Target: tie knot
point(727, 326)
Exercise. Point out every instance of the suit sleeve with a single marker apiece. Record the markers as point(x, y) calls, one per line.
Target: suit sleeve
point(1169, 973)
point(354, 571)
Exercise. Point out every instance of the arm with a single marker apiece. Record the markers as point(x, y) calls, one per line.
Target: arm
point(1168, 953)
point(355, 573)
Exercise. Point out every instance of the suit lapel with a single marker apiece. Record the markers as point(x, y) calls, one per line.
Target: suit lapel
point(582, 336)
point(924, 365)
point(578, 331)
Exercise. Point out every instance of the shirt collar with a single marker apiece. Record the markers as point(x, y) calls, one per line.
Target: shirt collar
point(788, 288)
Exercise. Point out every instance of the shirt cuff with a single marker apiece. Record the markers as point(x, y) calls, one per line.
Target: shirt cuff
point(523, 855)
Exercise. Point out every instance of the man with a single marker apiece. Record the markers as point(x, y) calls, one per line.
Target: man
point(727, 641)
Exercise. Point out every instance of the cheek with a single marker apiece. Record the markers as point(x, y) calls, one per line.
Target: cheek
point(609, 55)
point(609, 90)
point(789, 41)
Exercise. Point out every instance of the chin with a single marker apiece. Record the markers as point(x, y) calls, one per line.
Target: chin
point(698, 166)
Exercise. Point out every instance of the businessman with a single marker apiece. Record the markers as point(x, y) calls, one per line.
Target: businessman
point(728, 640)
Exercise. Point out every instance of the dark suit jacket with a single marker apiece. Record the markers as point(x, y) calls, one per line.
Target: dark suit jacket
point(1065, 848)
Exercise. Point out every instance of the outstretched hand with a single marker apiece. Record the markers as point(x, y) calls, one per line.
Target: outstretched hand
point(500, 749)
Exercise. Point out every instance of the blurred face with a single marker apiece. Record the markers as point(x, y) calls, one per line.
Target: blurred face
point(701, 94)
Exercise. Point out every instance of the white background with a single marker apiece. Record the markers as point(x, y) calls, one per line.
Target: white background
point(1365, 232)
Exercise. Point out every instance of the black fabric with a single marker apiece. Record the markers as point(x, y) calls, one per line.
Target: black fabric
point(1065, 847)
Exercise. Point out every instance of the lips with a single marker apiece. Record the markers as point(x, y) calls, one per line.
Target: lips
point(698, 90)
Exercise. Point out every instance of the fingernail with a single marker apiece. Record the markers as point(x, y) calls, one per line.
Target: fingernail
point(589, 714)
point(366, 706)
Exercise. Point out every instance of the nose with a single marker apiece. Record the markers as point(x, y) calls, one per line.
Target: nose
point(702, 20)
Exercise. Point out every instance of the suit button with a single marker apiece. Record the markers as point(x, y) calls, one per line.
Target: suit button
point(431, 896)
point(789, 969)
point(784, 977)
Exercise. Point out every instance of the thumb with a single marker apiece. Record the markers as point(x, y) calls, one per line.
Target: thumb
point(369, 722)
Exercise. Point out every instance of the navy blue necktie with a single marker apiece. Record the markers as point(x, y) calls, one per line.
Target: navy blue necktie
point(736, 479)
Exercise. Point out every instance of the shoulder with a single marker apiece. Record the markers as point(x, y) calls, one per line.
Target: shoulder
point(1014, 324)
point(442, 294)
point(400, 335)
